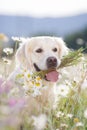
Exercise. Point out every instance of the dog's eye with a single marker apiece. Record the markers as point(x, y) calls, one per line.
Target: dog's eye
point(39, 50)
point(55, 49)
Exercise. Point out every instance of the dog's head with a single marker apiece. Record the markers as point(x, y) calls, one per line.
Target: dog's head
point(41, 53)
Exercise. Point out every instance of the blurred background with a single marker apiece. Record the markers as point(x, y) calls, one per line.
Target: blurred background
point(27, 18)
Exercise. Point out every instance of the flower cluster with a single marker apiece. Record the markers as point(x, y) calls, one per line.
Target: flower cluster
point(31, 84)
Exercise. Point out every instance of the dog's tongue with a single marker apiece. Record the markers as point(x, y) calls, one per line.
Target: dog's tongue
point(52, 76)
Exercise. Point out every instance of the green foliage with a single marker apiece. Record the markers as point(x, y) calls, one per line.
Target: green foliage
point(72, 40)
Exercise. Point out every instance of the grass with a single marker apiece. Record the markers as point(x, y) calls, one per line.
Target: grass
point(70, 108)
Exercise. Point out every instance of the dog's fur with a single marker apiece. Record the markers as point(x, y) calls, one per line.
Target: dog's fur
point(27, 55)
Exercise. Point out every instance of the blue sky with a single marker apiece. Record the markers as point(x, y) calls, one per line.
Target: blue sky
point(43, 8)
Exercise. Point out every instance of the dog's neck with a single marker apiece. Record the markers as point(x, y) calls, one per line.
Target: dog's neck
point(48, 83)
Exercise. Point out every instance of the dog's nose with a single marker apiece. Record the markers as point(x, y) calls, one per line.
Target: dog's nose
point(51, 62)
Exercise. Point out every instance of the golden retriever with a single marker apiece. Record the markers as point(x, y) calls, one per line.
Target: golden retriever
point(41, 53)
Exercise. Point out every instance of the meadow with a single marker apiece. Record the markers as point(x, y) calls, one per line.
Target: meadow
point(69, 111)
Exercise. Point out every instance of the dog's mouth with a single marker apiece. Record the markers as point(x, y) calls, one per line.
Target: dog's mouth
point(36, 67)
point(51, 76)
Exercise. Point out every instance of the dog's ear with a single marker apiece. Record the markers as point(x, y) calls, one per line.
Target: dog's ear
point(63, 49)
point(20, 56)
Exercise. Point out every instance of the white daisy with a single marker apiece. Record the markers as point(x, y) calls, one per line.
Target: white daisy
point(64, 125)
point(8, 51)
point(69, 115)
point(16, 38)
point(62, 90)
point(79, 124)
point(59, 114)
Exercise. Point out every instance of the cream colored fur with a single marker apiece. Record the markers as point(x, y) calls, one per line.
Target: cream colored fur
point(26, 56)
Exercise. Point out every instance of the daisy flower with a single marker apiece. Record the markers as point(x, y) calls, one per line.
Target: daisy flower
point(79, 124)
point(62, 90)
point(8, 51)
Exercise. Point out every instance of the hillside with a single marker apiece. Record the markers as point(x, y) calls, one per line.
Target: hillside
point(28, 26)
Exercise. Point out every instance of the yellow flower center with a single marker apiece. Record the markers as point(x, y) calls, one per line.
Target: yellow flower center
point(76, 120)
point(28, 75)
point(37, 84)
point(38, 78)
point(32, 82)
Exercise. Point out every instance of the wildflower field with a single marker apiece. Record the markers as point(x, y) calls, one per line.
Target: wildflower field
point(69, 111)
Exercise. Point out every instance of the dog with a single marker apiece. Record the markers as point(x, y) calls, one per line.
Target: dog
point(38, 54)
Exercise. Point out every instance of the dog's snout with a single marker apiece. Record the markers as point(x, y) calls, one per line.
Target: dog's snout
point(51, 62)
